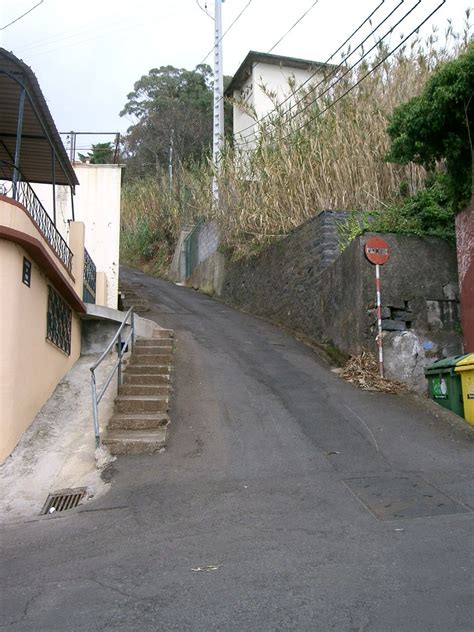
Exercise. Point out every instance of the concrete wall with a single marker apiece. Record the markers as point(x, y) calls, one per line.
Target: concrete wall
point(30, 365)
point(97, 204)
point(465, 254)
point(302, 283)
point(208, 240)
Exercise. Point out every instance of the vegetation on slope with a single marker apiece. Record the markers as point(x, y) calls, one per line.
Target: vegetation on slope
point(321, 158)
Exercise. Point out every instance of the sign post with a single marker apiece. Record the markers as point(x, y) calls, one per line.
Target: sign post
point(377, 252)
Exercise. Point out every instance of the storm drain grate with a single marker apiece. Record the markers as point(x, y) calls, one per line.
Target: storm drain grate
point(63, 500)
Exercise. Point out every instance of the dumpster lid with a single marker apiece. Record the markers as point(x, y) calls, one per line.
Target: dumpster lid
point(466, 363)
point(445, 364)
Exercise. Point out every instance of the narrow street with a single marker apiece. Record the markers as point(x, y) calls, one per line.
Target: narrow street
point(286, 500)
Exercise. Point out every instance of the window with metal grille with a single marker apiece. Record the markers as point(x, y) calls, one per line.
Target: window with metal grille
point(26, 272)
point(59, 321)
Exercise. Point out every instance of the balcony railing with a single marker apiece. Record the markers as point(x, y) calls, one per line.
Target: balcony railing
point(24, 194)
point(89, 284)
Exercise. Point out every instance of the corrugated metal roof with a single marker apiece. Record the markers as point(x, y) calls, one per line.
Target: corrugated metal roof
point(39, 133)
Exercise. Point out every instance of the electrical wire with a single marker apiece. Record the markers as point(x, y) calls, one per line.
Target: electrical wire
point(44, 50)
point(204, 10)
point(379, 63)
point(65, 35)
point(317, 71)
point(22, 16)
point(295, 24)
point(227, 30)
point(349, 69)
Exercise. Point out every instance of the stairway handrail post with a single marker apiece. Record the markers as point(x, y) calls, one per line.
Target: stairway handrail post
point(117, 367)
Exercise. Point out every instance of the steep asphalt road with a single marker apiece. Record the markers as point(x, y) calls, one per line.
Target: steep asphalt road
point(286, 500)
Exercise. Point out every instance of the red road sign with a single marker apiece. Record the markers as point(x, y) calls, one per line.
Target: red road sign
point(377, 250)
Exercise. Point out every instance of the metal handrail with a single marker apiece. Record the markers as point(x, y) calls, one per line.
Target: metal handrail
point(121, 346)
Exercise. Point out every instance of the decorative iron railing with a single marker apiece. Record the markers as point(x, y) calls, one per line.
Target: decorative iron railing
point(89, 287)
point(59, 321)
point(24, 194)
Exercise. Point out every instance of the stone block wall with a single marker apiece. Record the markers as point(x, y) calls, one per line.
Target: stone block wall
point(302, 283)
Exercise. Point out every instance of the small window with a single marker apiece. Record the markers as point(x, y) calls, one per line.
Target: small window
point(26, 272)
point(59, 321)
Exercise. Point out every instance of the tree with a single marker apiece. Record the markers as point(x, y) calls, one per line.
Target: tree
point(100, 154)
point(170, 106)
point(437, 126)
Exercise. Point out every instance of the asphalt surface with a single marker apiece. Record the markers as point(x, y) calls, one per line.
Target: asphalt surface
point(286, 500)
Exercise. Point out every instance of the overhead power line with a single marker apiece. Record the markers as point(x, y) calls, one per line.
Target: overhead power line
point(317, 71)
point(227, 30)
point(377, 65)
point(343, 62)
point(340, 78)
point(21, 16)
point(295, 24)
point(204, 9)
point(361, 58)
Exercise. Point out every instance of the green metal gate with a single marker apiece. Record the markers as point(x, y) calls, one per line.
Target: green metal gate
point(191, 248)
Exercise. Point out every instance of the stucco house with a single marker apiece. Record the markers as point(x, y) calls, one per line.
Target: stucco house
point(264, 80)
point(47, 276)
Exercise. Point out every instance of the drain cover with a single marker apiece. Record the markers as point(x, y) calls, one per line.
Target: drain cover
point(63, 500)
point(391, 497)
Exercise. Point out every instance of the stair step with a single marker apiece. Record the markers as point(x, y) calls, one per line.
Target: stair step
point(150, 359)
point(141, 403)
point(138, 421)
point(153, 342)
point(145, 378)
point(144, 389)
point(135, 441)
point(148, 369)
point(156, 350)
point(163, 333)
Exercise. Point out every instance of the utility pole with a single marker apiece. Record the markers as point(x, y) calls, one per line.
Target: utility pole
point(218, 119)
point(170, 160)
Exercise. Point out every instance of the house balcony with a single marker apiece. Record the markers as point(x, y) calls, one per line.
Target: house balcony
point(22, 193)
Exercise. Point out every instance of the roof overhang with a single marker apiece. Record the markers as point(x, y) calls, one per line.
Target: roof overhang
point(40, 140)
point(254, 57)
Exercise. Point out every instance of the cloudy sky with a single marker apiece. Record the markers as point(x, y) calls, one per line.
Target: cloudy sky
point(87, 54)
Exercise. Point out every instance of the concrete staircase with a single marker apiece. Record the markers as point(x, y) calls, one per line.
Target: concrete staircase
point(140, 420)
point(130, 296)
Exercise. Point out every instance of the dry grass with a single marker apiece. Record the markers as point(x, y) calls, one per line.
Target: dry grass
point(363, 371)
point(337, 161)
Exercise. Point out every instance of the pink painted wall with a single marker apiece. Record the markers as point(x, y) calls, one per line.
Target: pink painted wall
point(465, 253)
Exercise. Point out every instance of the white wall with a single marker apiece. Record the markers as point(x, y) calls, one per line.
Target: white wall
point(268, 78)
point(97, 204)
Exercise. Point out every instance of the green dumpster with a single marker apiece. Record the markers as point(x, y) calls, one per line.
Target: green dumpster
point(444, 385)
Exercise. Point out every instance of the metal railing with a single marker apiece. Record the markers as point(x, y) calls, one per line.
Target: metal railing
point(22, 192)
point(89, 281)
point(191, 248)
point(117, 367)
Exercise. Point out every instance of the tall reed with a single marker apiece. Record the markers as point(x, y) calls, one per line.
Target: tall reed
point(330, 156)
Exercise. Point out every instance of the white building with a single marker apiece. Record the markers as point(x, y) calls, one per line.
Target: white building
point(97, 204)
point(264, 81)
